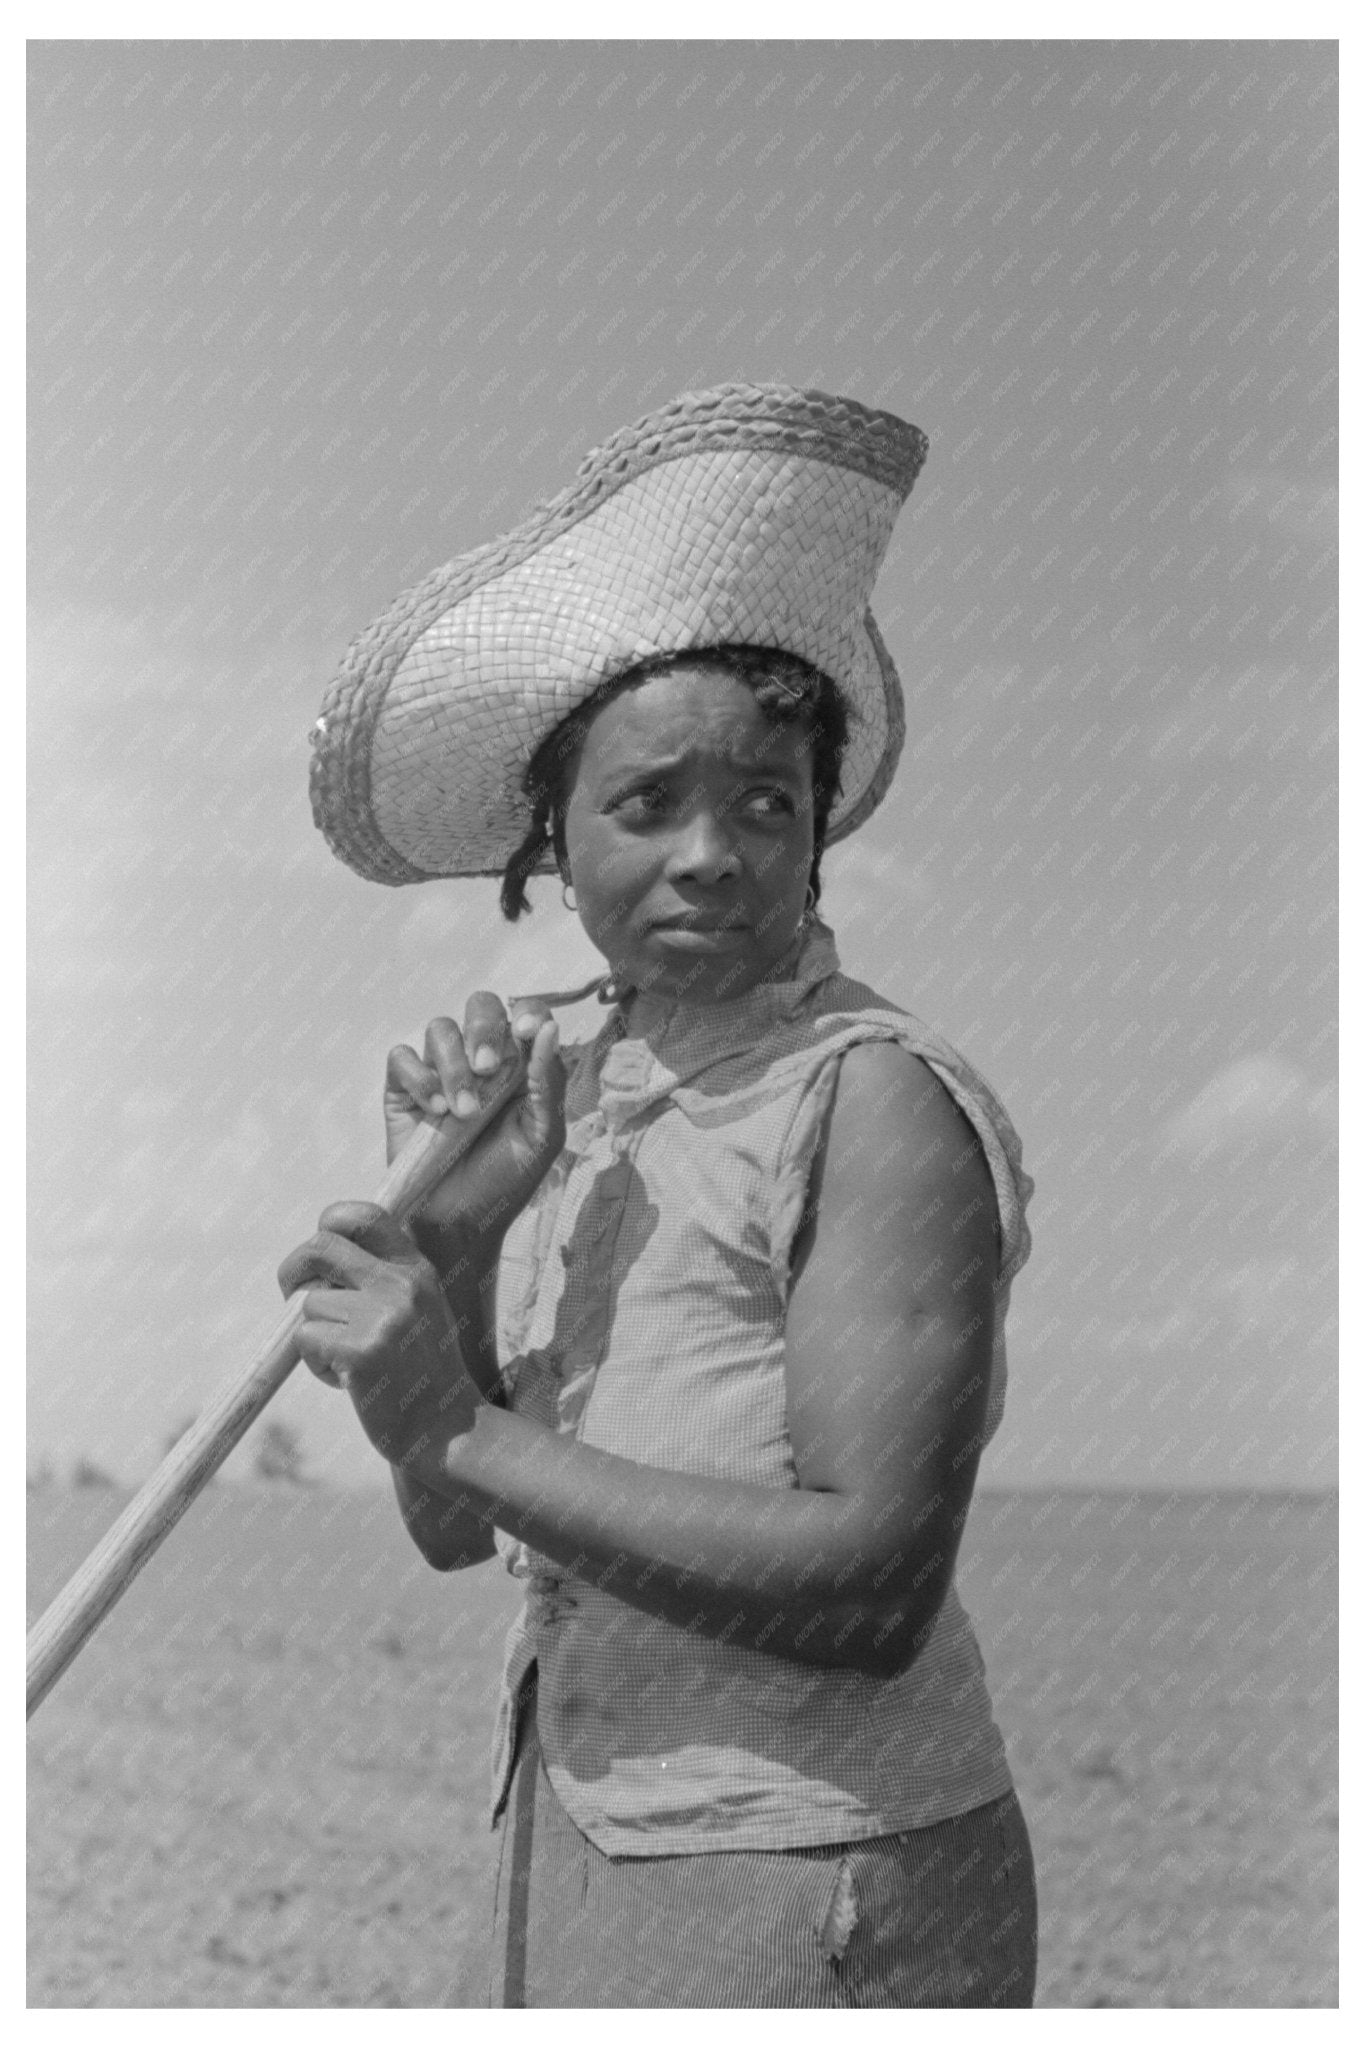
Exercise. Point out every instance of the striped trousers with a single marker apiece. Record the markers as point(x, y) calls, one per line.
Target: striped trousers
point(939, 1916)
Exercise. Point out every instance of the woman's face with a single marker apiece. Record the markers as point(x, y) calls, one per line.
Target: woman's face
point(690, 835)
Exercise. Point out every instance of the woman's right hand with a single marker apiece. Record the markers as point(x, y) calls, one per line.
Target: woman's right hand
point(458, 1072)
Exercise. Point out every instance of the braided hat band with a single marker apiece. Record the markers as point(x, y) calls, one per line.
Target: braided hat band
point(749, 514)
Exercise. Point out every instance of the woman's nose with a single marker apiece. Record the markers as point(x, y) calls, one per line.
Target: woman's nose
point(704, 848)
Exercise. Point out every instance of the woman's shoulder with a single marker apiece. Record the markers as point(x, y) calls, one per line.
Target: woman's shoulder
point(899, 1082)
point(892, 1120)
point(852, 1013)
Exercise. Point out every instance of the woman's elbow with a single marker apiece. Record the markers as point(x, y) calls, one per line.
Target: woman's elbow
point(452, 1561)
point(449, 1544)
point(893, 1637)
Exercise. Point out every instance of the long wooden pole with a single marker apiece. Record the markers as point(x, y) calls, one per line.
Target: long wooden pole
point(62, 1632)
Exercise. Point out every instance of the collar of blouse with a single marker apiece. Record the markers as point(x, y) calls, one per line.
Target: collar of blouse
point(652, 1045)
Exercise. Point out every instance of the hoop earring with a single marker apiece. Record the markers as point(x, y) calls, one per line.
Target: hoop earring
point(564, 897)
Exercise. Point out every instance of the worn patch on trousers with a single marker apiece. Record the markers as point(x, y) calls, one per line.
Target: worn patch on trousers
point(842, 1915)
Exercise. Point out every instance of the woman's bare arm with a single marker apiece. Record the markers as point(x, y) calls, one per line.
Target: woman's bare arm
point(889, 1339)
point(452, 1534)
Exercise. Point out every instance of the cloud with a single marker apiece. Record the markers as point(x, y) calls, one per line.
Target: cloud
point(457, 939)
point(1278, 1304)
point(1175, 1329)
point(1264, 706)
point(219, 1168)
point(870, 876)
point(1298, 505)
point(1270, 1297)
point(1261, 1099)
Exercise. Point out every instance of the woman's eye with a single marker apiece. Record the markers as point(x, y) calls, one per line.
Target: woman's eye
point(651, 801)
point(636, 803)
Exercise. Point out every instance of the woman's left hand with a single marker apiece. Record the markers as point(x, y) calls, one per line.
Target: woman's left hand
point(459, 1071)
point(377, 1323)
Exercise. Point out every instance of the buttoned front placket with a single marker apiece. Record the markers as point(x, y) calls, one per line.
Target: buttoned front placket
point(590, 1270)
point(605, 1147)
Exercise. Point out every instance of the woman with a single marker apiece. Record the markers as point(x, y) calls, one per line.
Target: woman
point(752, 1244)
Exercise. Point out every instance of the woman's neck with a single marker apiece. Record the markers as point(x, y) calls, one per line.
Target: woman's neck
point(643, 1007)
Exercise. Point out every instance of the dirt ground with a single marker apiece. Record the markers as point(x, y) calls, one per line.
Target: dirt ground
point(264, 1783)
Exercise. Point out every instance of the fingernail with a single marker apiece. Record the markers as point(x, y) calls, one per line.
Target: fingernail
point(526, 1026)
point(438, 1106)
point(485, 1059)
point(465, 1103)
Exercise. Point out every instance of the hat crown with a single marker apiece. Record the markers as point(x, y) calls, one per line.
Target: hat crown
point(886, 447)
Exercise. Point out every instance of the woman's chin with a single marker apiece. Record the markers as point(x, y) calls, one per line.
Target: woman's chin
point(705, 966)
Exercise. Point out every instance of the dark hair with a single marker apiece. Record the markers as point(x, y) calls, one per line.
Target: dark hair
point(789, 689)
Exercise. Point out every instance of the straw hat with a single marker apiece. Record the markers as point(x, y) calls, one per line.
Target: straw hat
point(751, 513)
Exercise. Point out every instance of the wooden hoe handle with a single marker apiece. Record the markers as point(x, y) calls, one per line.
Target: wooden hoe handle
point(57, 1637)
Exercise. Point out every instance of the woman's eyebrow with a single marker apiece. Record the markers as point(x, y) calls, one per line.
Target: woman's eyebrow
point(626, 771)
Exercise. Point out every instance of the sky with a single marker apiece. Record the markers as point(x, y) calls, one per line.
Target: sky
point(307, 319)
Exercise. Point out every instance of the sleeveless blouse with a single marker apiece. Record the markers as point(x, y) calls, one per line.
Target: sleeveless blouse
point(642, 1298)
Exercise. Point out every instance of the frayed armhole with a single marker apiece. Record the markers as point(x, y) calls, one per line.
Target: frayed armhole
point(805, 1135)
point(972, 1097)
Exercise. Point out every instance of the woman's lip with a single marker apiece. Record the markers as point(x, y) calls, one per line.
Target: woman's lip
point(709, 934)
point(697, 924)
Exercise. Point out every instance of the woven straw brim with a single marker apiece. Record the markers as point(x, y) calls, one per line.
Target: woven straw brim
point(750, 514)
